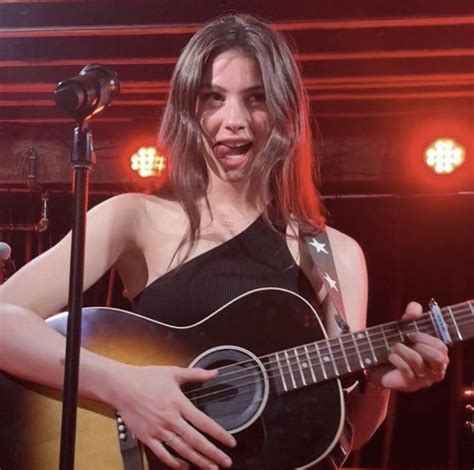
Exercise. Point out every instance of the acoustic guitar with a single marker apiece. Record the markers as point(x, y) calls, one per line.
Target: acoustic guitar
point(278, 389)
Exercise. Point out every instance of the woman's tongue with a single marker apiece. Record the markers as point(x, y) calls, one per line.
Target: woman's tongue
point(232, 155)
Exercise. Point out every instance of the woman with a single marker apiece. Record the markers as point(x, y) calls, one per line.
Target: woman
point(237, 136)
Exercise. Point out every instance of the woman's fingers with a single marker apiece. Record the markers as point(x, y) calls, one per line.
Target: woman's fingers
point(202, 422)
point(408, 361)
point(157, 447)
point(188, 439)
point(423, 338)
point(193, 374)
point(156, 410)
point(421, 362)
point(196, 449)
point(418, 363)
point(413, 311)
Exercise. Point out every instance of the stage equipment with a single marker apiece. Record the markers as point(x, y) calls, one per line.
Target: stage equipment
point(83, 96)
point(147, 162)
point(90, 92)
point(444, 156)
point(468, 396)
point(5, 251)
point(40, 226)
point(7, 265)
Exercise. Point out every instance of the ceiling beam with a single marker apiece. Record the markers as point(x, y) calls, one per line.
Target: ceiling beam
point(160, 29)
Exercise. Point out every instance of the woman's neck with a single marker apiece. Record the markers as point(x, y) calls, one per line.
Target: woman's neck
point(222, 194)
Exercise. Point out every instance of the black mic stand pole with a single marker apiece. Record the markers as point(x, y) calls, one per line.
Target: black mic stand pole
point(82, 159)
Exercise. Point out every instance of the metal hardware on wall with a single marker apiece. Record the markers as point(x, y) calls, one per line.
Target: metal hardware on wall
point(38, 227)
point(32, 156)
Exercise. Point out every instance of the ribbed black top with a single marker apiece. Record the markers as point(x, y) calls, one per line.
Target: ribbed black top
point(257, 257)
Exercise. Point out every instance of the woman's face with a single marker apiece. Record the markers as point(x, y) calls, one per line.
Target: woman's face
point(232, 113)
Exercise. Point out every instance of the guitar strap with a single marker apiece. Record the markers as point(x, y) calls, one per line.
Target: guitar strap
point(323, 258)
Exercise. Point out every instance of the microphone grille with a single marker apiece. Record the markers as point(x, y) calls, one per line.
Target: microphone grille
point(5, 251)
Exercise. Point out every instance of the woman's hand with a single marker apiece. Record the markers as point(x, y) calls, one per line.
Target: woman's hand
point(154, 408)
point(413, 366)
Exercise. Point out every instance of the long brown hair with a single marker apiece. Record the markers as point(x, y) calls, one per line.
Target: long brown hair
point(286, 165)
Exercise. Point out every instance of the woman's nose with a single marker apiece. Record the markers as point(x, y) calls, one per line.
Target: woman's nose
point(235, 115)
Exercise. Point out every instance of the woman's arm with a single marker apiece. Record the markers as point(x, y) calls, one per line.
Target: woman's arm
point(28, 347)
point(149, 398)
point(412, 366)
point(366, 410)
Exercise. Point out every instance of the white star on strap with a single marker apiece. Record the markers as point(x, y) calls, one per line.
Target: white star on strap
point(319, 246)
point(331, 282)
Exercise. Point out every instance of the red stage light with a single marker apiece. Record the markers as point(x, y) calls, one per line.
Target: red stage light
point(444, 156)
point(147, 162)
point(437, 154)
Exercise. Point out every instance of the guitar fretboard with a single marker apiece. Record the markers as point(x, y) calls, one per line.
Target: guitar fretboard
point(312, 363)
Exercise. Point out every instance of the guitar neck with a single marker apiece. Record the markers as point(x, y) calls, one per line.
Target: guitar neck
point(352, 352)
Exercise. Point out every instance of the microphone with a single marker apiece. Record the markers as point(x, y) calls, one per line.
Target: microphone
point(7, 265)
point(88, 93)
point(5, 251)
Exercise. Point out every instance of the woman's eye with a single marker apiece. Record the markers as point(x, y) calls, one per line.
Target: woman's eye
point(211, 99)
point(257, 98)
point(214, 97)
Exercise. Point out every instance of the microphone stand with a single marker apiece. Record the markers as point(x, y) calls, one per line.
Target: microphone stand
point(81, 97)
point(82, 159)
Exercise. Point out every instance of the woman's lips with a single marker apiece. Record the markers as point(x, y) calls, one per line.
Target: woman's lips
point(223, 150)
point(231, 155)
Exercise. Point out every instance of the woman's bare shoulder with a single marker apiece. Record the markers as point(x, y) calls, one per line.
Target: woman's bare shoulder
point(352, 272)
point(346, 250)
point(131, 208)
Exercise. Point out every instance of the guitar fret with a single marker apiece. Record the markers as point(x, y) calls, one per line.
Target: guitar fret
point(317, 362)
point(407, 327)
point(323, 367)
point(282, 376)
point(337, 356)
point(400, 333)
point(291, 371)
point(378, 344)
point(299, 366)
point(310, 364)
point(365, 352)
point(455, 324)
point(357, 351)
point(387, 345)
point(350, 354)
point(344, 355)
point(371, 347)
point(331, 358)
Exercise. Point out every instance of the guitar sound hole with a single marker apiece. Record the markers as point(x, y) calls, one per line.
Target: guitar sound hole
point(237, 396)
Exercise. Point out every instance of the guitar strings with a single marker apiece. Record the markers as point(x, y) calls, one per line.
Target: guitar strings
point(288, 369)
point(348, 345)
point(284, 369)
point(425, 321)
point(295, 360)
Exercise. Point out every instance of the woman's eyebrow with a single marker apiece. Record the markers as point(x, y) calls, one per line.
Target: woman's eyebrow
point(211, 87)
